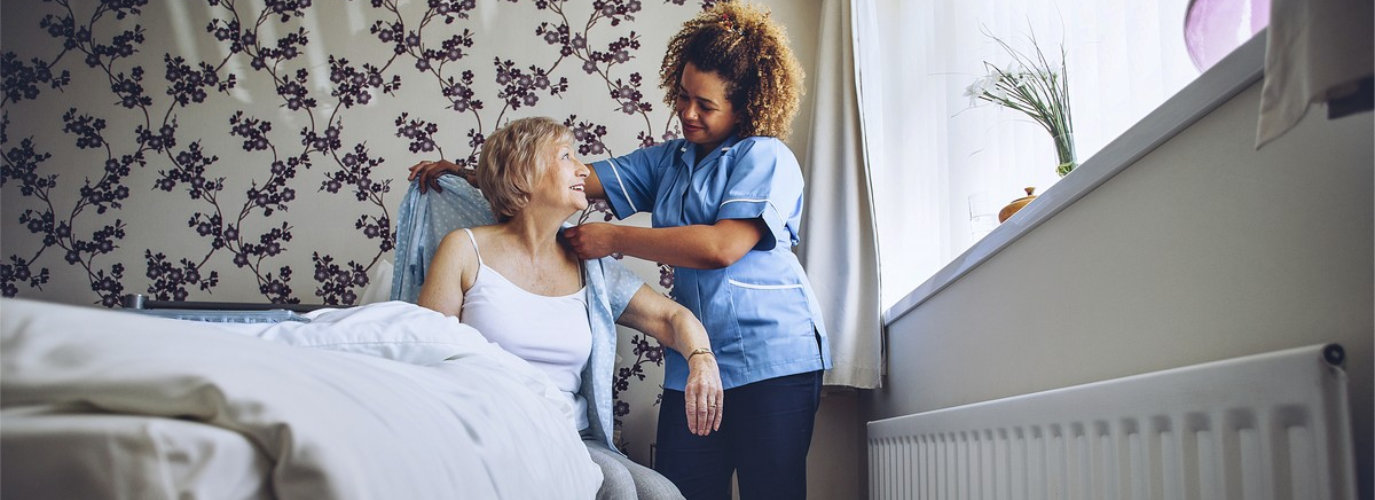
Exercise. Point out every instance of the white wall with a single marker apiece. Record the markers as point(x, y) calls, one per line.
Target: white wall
point(1204, 249)
point(835, 463)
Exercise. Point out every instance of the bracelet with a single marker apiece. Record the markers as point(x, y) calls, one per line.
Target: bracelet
point(700, 350)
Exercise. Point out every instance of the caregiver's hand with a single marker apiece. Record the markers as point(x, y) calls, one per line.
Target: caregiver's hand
point(429, 172)
point(592, 241)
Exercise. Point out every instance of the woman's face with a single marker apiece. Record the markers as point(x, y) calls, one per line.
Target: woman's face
point(564, 179)
point(707, 115)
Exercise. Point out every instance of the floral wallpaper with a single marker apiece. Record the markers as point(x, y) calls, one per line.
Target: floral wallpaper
point(236, 150)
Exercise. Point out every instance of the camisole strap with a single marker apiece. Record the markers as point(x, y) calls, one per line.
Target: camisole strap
point(475, 249)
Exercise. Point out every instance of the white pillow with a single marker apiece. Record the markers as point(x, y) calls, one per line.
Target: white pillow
point(379, 284)
point(394, 330)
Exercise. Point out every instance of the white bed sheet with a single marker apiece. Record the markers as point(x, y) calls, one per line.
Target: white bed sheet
point(126, 457)
point(447, 415)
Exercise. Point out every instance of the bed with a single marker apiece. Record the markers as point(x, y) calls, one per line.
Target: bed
point(387, 400)
point(384, 401)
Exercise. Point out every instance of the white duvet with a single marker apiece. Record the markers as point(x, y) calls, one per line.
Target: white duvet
point(376, 402)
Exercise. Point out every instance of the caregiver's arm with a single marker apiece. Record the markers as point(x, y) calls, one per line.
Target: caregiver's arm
point(698, 246)
point(676, 328)
point(429, 172)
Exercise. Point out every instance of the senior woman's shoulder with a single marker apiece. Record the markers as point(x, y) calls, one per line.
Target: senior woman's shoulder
point(611, 283)
point(458, 237)
point(462, 232)
point(613, 272)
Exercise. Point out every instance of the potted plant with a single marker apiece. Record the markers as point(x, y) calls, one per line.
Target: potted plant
point(1031, 85)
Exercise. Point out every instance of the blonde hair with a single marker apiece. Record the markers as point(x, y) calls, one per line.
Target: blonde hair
point(512, 160)
point(743, 45)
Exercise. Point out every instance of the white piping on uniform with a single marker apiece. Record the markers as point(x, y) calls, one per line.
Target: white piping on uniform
point(756, 200)
point(617, 172)
point(747, 200)
point(764, 287)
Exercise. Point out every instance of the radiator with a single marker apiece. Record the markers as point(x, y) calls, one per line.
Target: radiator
point(1270, 426)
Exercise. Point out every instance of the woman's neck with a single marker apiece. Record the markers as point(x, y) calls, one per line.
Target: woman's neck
point(534, 231)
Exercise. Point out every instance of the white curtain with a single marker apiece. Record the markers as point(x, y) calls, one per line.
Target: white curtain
point(941, 167)
point(839, 245)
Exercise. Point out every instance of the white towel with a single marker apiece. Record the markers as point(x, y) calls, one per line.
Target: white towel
point(1317, 50)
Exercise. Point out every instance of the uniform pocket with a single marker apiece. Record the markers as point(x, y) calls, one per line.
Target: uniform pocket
point(774, 321)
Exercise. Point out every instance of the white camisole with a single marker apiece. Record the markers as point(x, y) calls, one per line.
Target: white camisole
point(551, 333)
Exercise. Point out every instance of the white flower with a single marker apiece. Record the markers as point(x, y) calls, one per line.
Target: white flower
point(975, 91)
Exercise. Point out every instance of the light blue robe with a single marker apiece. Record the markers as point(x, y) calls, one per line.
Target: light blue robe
point(426, 218)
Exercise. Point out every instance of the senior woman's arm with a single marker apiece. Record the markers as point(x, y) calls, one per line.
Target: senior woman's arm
point(676, 328)
point(445, 281)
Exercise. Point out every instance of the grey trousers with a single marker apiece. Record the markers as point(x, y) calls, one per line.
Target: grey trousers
point(625, 479)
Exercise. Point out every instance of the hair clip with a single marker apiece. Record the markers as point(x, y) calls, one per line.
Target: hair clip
point(727, 23)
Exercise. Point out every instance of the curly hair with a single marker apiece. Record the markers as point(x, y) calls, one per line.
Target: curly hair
point(743, 45)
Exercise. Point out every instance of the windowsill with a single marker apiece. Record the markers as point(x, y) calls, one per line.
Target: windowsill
point(1234, 73)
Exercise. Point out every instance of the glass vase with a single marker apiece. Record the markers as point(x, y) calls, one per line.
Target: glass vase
point(1064, 150)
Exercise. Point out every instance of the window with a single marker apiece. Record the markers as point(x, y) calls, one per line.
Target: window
point(941, 167)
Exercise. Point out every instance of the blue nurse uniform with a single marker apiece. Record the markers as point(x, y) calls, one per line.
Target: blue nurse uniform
point(760, 312)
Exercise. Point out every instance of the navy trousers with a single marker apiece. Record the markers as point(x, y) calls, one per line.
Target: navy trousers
point(766, 430)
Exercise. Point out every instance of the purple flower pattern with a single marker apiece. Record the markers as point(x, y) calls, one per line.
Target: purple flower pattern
point(241, 205)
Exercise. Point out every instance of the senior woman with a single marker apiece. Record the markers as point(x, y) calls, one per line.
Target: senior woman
point(521, 288)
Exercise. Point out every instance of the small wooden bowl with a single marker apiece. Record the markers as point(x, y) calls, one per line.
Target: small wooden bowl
point(1016, 205)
